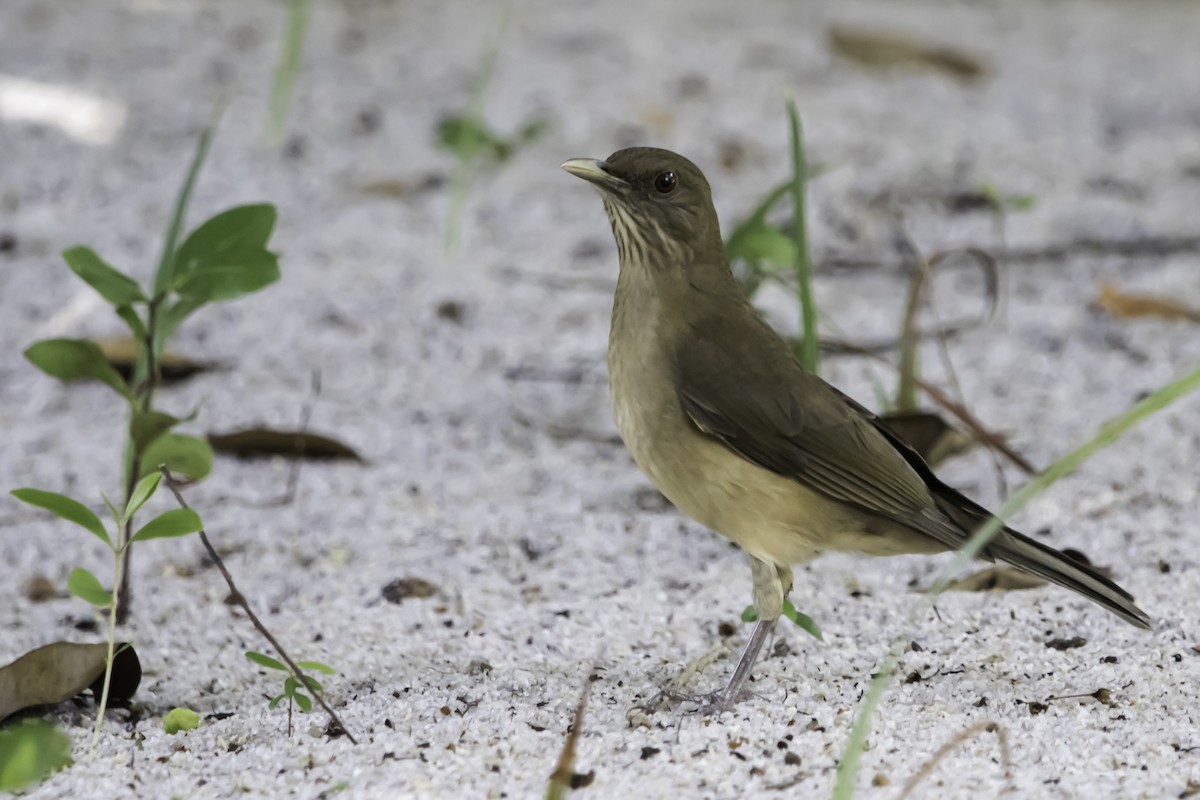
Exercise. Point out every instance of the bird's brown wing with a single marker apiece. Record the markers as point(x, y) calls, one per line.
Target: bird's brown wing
point(741, 386)
point(749, 393)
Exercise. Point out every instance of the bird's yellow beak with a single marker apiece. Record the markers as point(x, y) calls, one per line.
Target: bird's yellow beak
point(594, 171)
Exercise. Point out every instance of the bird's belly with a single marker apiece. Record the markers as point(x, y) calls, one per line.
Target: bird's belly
point(771, 517)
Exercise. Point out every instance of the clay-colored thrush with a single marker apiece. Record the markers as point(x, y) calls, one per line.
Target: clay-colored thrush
point(726, 423)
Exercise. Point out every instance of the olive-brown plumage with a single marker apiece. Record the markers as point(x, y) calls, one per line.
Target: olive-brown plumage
point(728, 425)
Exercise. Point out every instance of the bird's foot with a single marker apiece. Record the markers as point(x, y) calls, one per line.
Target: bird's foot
point(706, 704)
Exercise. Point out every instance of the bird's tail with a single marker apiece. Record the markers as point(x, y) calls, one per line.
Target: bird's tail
point(1046, 562)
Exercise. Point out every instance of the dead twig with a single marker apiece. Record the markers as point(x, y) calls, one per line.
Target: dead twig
point(564, 778)
point(1150, 247)
point(987, 726)
point(240, 599)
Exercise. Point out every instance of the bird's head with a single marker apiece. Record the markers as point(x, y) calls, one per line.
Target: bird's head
point(659, 204)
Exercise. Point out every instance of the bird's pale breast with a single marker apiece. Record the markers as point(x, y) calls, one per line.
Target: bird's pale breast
point(770, 516)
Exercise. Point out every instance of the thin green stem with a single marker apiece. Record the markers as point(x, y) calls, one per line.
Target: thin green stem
point(1109, 432)
point(810, 355)
point(108, 661)
point(143, 401)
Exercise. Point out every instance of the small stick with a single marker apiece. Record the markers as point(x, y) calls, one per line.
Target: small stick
point(987, 726)
point(564, 769)
point(240, 599)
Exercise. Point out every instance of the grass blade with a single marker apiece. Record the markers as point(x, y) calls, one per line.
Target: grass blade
point(810, 354)
point(285, 71)
point(166, 264)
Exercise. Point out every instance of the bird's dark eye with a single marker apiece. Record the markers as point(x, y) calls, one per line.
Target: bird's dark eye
point(665, 182)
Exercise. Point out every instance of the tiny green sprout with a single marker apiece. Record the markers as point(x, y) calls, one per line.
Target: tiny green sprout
point(467, 138)
point(1006, 202)
point(291, 687)
point(800, 618)
point(180, 719)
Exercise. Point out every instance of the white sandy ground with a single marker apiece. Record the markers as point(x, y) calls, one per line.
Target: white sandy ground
point(554, 561)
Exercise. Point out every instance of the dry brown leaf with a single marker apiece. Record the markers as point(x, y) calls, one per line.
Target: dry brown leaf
point(264, 442)
point(121, 352)
point(61, 670)
point(1123, 305)
point(878, 48)
point(400, 589)
point(393, 188)
point(659, 120)
point(996, 579)
point(931, 436)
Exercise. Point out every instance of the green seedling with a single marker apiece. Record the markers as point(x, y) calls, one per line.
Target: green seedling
point(469, 138)
point(86, 586)
point(292, 683)
point(1001, 203)
point(223, 258)
point(466, 135)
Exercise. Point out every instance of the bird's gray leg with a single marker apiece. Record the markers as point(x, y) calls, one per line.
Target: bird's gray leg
point(771, 585)
point(725, 698)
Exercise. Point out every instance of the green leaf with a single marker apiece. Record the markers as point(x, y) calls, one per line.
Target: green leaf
point(141, 493)
point(165, 274)
point(265, 661)
point(768, 244)
point(136, 326)
point(30, 751)
point(180, 719)
point(756, 219)
point(113, 285)
point(239, 273)
point(185, 455)
point(789, 611)
point(236, 230)
point(303, 701)
point(65, 507)
point(116, 515)
point(318, 666)
point(313, 684)
point(72, 359)
point(176, 522)
point(85, 586)
point(290, 686)
point(146, 426)
point(1020, 202)
point(803, 620)
point(276, 700)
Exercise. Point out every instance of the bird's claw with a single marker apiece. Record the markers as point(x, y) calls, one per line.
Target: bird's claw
point(707, 704)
